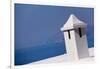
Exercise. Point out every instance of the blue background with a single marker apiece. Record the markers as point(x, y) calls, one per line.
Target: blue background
point(37, 30)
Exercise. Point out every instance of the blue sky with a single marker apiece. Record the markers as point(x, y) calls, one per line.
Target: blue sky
point(38, 24)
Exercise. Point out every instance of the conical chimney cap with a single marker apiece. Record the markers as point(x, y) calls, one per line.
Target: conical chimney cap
point(72, 23)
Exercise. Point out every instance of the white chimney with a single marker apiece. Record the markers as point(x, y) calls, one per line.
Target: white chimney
point(75, 38)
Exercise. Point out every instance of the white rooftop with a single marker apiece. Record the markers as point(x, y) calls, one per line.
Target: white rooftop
point(72, 23)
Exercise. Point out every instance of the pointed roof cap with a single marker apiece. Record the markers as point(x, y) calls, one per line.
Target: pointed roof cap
point(72, 23)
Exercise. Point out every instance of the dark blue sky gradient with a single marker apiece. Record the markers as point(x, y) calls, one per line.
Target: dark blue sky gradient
point(36, 24)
